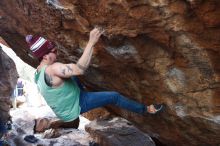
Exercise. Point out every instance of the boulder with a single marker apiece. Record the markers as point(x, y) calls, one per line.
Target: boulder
point(164, 51)
point(8, 80)
point(117, 132)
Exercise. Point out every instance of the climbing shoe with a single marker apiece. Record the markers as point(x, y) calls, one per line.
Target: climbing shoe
point(154, 108)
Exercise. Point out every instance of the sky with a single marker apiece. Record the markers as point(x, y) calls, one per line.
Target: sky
point(25, 71)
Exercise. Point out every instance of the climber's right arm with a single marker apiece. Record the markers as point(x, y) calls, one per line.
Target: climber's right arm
point(68, 70)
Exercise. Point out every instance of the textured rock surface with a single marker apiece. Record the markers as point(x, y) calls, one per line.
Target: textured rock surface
point(8, 79)
point(117, 132)
point(23, 124)
point(153, 51)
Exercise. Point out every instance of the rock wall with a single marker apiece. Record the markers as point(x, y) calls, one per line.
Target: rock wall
point(8, 79)
point(153, 51)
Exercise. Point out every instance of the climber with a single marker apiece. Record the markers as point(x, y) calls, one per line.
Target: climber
point(58, 84)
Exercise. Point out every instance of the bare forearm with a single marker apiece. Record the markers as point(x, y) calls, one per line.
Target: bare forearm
point(85, 59)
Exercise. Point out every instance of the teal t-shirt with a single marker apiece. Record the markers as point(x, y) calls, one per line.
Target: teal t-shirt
point(63, 100)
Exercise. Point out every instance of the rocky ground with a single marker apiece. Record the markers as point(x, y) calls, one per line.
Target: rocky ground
point(108, 131)
point(153, 51)
point(23, 124)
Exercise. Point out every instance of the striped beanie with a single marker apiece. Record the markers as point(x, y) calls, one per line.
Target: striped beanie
point(39, 46)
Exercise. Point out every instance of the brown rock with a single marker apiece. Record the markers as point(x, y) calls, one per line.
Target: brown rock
point(52, 133)
point(152, 51)
point(209, 14)
point(43, 124)
point(178, 7)
point(98, 113)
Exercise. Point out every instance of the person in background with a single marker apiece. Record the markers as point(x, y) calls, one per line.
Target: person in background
point(58, 83)
point(13, 97)
point(18, 91)
point(20, 86)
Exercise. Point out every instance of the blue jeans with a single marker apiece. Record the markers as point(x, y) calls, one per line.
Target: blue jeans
point(91, 100)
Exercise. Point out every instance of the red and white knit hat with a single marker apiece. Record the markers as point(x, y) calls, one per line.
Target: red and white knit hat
point(39, 46)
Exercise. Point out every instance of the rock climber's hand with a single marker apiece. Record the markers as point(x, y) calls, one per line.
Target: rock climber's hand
point(95, 35)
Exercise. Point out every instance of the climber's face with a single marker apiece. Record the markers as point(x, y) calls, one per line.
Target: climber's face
point(51, 56)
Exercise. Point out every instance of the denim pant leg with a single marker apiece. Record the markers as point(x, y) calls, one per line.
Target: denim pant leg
point(91, 100)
